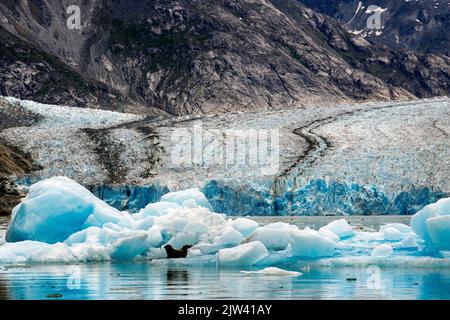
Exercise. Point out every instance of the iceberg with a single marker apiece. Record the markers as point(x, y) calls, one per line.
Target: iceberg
point(432, 224)
point(341, 228)
point(61, 221)
point(187, 198)
point(56, 208)
point(274, 236)
point(382, 250)
point(392, 234)
point(273, 271)
point(157, 209)
point(246, 254)
point(311, 244)
point(230, 237)
point(439, 232)
point(35, 252)
point(245, 226)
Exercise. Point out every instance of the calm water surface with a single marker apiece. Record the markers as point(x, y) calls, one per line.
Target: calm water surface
point(169, 280)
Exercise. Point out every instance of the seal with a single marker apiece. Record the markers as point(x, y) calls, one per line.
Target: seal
point(174, 253)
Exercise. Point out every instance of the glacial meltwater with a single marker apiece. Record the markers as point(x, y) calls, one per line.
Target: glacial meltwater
point(169, 279)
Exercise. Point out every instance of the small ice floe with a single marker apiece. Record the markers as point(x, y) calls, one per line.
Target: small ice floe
point(273, 271)
point(311, 244)
point(244, 255)
point(275, 236)
point(339, 227)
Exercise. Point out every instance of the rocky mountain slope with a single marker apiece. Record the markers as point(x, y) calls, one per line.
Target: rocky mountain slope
point(420, 25)
point(197, 56)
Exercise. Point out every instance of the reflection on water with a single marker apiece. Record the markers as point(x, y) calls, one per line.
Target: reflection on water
point(147, 281)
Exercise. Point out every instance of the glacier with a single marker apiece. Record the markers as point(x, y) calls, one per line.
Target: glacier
point(387, 170)
point(62, 221)
point(316, 197)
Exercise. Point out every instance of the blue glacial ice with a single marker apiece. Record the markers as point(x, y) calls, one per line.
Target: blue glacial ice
point(316, 197)
point(61, 221)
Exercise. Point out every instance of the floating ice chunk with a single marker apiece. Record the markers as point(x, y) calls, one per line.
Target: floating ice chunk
point(50, 217)
point(245, 226)
point(156, 253)
point(311, 244)
point(129, 245)
point(273, 238)
point(142, 224)
point(329, 234)
point(341, 228)
point(106, 243)
point(419, 220)
point(187, 195)
point(281, 226)
point(272, 271)
point(56, 208)
point(399, 226)
point(392, 234)
point(439, 232)
point(35, 252)
point(156, 209)
point(90, 252)
point(409, 242)
point(155, 236)
point(193, 253)
point(382, 250)
point(190, 203)
point(230, 237)
point(214, 220)
point(89, 235)
point(183, 238)
point(198, 227)
point(209, 248)
point(244, 255)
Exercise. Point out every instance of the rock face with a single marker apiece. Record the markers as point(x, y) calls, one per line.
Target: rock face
point(195, 56)
point(11, 162)
point(421, 26)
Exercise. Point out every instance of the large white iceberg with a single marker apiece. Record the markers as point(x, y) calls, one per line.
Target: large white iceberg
point(59, 214)
point(432, 224)
point(56, 208)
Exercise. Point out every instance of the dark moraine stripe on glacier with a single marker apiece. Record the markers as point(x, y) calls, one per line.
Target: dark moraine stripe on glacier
point(319, 198)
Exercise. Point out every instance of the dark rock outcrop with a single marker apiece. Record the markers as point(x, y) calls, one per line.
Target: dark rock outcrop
point(420, 26)
point(12, 162)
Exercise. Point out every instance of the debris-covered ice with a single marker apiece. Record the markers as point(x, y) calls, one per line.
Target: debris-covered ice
point(61, 221)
